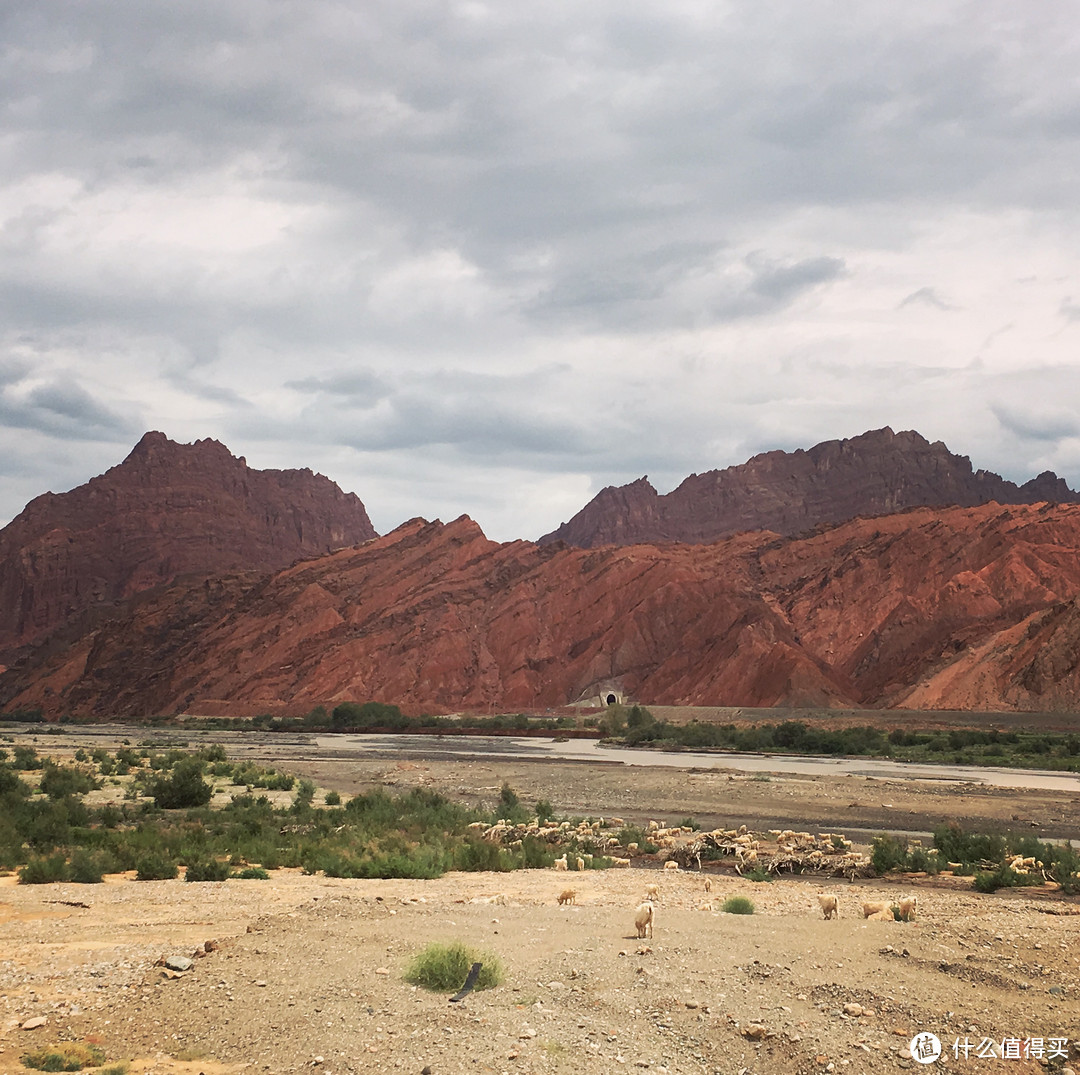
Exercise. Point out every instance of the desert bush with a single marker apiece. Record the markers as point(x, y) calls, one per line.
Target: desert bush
point(66, 1056)
point(1003, 877)
point(59, 781)
point(155, 866)
point(333, 798)
point(757, 874)
point(85, 868)
point(252, 873)
point(737, 905)
point(888, 853)
point(210, 869)
point(26, 758)
point(443, 968)
point(44, 870)
point(185, 786)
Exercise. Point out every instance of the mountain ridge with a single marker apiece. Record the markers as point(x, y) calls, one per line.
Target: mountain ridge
point(876, 473)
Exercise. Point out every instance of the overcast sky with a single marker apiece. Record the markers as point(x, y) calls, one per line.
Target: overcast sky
point(489, 258)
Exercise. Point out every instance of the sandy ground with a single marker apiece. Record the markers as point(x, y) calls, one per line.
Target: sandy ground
point(308, 972)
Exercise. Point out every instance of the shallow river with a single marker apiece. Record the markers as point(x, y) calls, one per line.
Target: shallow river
point(429, 746)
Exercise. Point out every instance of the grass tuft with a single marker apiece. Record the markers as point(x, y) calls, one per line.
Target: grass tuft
point(738, 905)
point(443, 968)
point(68, 1056)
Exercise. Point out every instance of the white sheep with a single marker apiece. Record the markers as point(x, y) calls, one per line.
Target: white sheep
point(873, 907)
point(652, 892)
point(671, 864)
point(616, 861)
point(907, 907)
point(643, 919)
point(830, 905)
point(560, 864)
point(580, 863)
point(708, 885)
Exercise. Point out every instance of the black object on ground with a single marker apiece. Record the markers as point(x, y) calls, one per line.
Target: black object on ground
point(470, 981)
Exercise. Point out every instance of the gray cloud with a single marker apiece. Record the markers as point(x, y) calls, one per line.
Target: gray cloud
point(63, 410)
point(558, 244)
point(926, 296)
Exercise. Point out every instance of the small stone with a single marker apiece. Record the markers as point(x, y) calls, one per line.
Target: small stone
point(180, 963)
point(754, 1032)
point(692, 1004)
point(33, 1024)
point(905, 1054)
point(382, 970)
point(853, 1009)
point(1057, 990)
point(260, 983)
point(527, 1033)
point(316, 1062)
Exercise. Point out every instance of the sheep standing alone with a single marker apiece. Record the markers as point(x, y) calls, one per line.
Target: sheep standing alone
point(830, 905)
point(580, 863)
point(907, 908)
point(652, 892)
point(560, 864)
point(671, 864)
point(568, 895)
point(643, 919)
point(708, 885)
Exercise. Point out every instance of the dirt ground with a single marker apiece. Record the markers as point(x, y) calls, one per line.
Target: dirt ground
point(307, 972)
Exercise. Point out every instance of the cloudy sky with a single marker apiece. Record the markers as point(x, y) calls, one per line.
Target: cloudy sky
point(490, 257)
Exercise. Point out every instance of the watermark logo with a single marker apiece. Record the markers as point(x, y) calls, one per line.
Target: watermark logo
point(925, 1048)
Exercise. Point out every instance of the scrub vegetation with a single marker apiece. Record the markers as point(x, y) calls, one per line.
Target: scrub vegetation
point(49, 831)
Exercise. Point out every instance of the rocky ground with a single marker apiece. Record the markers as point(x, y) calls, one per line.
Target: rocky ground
point(306, 973)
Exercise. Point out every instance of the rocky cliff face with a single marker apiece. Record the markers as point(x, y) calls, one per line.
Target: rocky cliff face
point(791, 492)
point(956, 608)
point(166, 511)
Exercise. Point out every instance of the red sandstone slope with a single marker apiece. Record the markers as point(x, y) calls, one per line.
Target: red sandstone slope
point(921, 607)
point(167, 510)
point(878, 473)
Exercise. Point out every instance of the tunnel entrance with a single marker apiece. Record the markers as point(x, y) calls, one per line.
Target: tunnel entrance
point(611, 699)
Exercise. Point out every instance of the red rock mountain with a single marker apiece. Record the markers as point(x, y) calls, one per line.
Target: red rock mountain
point(939, 608)
point(166, 511)
point(877, 473)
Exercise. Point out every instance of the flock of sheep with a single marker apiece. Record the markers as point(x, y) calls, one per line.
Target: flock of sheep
point(904, 910)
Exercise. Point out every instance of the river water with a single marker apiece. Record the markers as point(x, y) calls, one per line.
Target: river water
point(429, 746)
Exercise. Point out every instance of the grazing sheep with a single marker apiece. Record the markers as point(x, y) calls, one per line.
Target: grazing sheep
point(616, 861)
point(708, 885)
point(643, 919)
point(907, 908)
point(568, 895)
point(560, 864)
point(580, 863)
point(873, 907)
point(652, 892)
point(830, 905)
point(882, 916)
point(671, 864)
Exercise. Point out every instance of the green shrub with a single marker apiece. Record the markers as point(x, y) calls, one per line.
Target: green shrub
point(738, 905)
point(85, 868)
point(333, 798)
point(757, 874)
point(185, 787)
point(252, 873)
point(44, 870)
point(68, 1056)
point(1003, 877)
point(59, 781)
point(153, 866)
point(888, 853)
point(207, 870)
point(443, 968)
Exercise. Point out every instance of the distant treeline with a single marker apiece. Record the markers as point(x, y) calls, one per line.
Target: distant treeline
point(636, 726)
